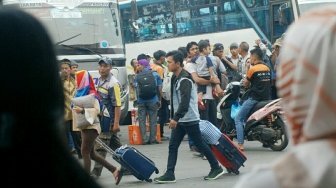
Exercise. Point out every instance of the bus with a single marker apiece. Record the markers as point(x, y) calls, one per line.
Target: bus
point(150, 25)
point(84, 31)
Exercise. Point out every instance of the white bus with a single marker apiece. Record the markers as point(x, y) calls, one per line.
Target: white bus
point(150, 25)
point(84, 31)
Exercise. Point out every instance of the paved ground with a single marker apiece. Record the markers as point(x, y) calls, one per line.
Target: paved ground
point(190, 169)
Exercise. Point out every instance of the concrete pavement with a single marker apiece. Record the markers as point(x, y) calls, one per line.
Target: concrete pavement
point(190, 169)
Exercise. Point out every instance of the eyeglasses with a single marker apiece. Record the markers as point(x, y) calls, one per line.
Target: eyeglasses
point(196, 48)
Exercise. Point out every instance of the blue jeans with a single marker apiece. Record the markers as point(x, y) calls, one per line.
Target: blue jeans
point(242, 117)
point(150, 109)
point(176, 138)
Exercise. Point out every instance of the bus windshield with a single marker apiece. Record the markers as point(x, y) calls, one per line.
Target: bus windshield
point(82, 29)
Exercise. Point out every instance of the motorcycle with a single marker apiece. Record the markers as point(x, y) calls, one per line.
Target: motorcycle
point(264, 124)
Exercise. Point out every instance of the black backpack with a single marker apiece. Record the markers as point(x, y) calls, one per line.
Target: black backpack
point(146, 85)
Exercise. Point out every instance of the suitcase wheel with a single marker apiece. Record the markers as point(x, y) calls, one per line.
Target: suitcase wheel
point(236, 172)
point(156, 171)
point(149, 180)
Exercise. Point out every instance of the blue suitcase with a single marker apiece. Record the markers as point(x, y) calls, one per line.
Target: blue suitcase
point(133, 160)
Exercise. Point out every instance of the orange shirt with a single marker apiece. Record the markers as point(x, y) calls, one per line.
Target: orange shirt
point(157, 68)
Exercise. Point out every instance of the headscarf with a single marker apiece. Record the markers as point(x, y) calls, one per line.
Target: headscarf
point(144, 63)
point(85, 84)
point(306, 76)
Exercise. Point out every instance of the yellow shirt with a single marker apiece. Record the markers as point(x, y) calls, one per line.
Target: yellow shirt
point(69, 89)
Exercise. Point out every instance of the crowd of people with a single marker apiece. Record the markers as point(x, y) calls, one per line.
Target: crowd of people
point(44, 103)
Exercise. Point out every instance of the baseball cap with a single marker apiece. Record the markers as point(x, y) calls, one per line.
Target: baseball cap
point(233, 45)
point(105, 60)
point(218, 46)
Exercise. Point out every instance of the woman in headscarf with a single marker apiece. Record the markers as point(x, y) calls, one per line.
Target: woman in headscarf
point(306, 82)
point(85, 86)
point(33, 149)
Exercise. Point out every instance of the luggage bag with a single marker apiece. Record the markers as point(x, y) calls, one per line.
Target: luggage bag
point(133, 160)
point(228, 154)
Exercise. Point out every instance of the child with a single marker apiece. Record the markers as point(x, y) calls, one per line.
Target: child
point(205, 69)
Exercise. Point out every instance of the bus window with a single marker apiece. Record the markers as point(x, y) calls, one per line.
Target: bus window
point(282, 16)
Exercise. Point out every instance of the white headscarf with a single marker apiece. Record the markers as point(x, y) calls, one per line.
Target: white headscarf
point(306, 76)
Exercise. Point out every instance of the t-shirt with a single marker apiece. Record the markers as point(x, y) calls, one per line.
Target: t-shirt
point(202, 66)
point(191, 68)
point(260, 77)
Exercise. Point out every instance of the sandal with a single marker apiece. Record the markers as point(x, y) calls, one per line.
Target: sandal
point(119, 175)
point(241, 147)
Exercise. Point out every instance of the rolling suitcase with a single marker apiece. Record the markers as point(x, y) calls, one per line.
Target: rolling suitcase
point(130, 158)
point(228, 154)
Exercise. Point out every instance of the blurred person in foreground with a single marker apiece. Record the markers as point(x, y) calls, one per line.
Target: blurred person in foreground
point(32, 131)
point(306, 77)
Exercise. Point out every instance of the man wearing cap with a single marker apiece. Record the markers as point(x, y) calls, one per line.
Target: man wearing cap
point(148, 84)
point(108, 88)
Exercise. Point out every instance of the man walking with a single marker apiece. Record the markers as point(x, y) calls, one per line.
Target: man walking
point(185, 119)
point(108, 88)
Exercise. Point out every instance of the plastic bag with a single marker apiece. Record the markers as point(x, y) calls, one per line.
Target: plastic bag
point(235, 107)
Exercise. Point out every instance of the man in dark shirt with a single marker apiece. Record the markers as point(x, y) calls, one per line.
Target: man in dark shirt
point(259, 79)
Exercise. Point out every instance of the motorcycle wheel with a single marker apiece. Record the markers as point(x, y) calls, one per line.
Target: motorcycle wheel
point(281, 143)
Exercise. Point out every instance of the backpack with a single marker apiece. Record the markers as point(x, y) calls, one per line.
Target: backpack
point(146, 85)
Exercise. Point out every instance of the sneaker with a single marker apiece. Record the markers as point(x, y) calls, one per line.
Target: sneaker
point(214, 174)
point(165, 179)
point(196, 154)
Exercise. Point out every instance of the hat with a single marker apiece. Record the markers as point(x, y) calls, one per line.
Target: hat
point(233, 45)
point(218, 46)
point(144, 63)
point(105, 60)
